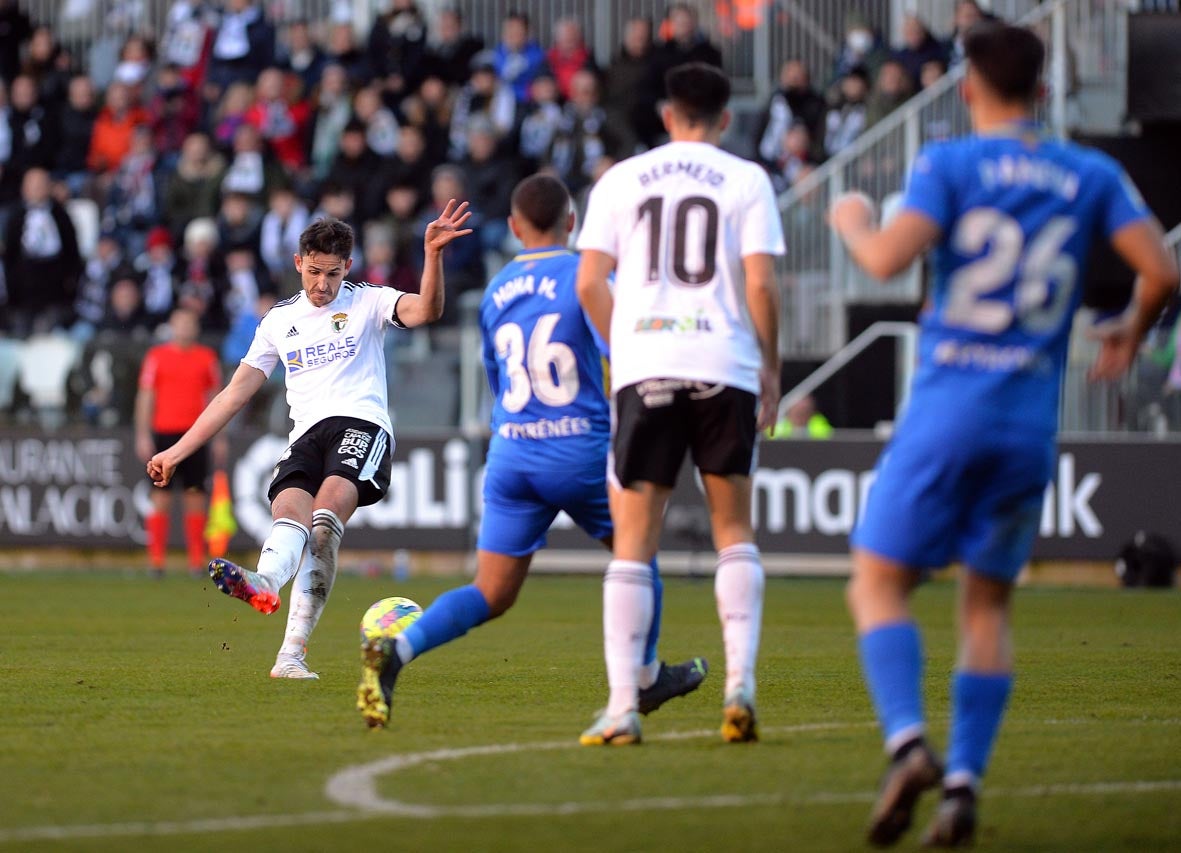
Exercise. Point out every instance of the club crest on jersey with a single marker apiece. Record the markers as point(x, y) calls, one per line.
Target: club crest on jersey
point(339, 321)
point(294, 361)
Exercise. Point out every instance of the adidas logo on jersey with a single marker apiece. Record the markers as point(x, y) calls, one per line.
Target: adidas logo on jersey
point(292, 332)
point(350, 461)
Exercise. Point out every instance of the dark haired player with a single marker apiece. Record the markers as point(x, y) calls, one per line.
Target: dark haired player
point(548, 453)
point(328, 338)
point(1011, 215)
point(691, 233)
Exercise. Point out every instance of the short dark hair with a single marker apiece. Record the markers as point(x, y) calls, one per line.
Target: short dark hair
point(697, 91)
point(327, 236)
point(543, 201)
point(1008, 58)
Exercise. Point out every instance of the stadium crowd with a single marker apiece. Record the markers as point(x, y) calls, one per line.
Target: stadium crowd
point(178, 168)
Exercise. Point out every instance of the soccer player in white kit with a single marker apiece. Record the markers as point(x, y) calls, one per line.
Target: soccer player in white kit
point(691, 233)
point(328, 338)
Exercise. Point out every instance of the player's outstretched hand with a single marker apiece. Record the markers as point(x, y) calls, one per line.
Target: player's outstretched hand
point(447, 227)
point(160, 470)
point(852, 212)
point(1118, 344)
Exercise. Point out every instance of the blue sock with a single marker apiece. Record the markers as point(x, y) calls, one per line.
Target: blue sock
point(892, 662)
point(451, 615)
point(977, 705)
point(654, 630)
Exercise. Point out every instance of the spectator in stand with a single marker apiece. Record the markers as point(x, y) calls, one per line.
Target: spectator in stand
point(568, 55)
point(177, 381)
point(231, 114)
point(430, 110)
point(343, 51)
point(862, 48)
point(202, 275)
point(94, 286)
point(194, 190)
point(131, 199)
point(253, 171)
point(684, 42)
point(331, 111)
point(584, 135)
point(236, 343)
point(49, 66)
point(931, 71)
point(490, 177)
point(384, 264)
point(357, 167)
point(188, 40)
point(157, 266)
point(300, 55)
point(34, 128)
point(463, 263)
point(15, 29)
point(795, 159)
point(339, 203)
point(239, 224)
point(399, 222)
point(397, 49)
point(919, 47)
point(175, 116)
point(541, 122)
point(281, 121)
point(450, 53)
point(632, 88)
point(518, 58)
point(124, 316)
point(795, 102)
point(7, 176)
point(247, 279)
point(487, 98)
point(967, 14)
point(408, 167)
point(113, 131)
point(134, 68)
point(75, 128)
point(41, 260)
point(243, 45)
point(846, 119)
point(381, 127)
point(279, 238)
point(891, 90)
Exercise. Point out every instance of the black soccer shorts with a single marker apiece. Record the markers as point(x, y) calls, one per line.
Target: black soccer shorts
point(357, 450)
point(657, 420)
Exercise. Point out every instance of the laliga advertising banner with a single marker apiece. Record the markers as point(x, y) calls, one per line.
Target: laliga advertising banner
point(86, 488)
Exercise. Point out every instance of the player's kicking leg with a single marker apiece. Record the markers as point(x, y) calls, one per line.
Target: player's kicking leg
point(892, 662)
point(980, 690)
point(498, 580)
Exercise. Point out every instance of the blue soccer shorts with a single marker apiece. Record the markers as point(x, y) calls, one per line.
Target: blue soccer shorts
point(519, 506)
point(952, 492)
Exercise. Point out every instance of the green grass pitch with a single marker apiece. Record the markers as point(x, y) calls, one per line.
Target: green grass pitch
point(138, 715)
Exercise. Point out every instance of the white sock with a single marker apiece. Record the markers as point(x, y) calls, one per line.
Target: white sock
point(648, 673)
point(282, 552)
point(313, 582)
point(627, 614)
point(738, 588)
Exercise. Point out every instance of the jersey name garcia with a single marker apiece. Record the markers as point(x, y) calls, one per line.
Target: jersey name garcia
point(1018, 214)
point(333, 356)
point(544, 366)
point(678, 220)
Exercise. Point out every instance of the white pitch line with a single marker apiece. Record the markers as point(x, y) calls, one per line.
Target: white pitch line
point(355, 788)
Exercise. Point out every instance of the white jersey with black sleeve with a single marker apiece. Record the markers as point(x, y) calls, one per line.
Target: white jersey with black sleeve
point(678, 220)
point(333, 356)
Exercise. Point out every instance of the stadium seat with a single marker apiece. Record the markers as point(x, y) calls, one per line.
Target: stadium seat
point(45, 365)
point(84, 214)
point(9, 370)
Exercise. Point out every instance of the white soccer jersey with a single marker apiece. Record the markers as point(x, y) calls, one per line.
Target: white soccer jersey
point(333, 355)
point(678, 220)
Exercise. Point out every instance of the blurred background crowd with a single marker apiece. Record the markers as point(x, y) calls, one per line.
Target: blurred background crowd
point(176, 165)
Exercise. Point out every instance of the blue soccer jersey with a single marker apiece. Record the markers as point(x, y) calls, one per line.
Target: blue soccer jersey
point(550, 418)
point(964, 475)
point(1018, 214)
